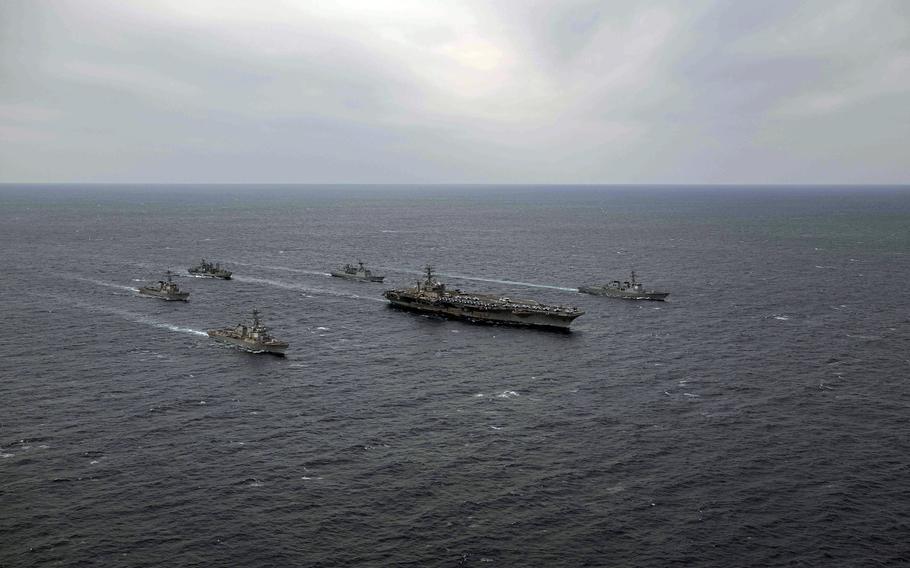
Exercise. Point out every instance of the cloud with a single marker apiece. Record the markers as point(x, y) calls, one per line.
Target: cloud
point(468, 91)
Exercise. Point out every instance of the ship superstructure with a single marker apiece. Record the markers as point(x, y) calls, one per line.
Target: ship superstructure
point(165, 290)
point(433, 297)
point(358, 272)
point(255, 338)
point(207, 269)
point(630, 289)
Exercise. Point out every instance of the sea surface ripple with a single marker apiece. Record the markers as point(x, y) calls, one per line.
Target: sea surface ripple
point(757, 418)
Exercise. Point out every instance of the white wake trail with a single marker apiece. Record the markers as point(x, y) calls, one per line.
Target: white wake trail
point(284, 268)
point(482, 279)
point(301, 288)
point(108, 284)
point(127, 315)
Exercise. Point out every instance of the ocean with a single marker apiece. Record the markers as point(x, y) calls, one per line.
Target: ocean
point(759, 417)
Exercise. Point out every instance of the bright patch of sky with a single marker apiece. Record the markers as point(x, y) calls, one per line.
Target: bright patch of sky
point(463, 91)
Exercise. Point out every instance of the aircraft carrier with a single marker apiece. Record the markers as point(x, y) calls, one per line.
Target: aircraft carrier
point(432, 297)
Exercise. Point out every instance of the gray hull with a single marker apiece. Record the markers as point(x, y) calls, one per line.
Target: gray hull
point(251, 346)
point(624, 294)
point(358, 278)
point(516, 317)
point(207, 275)
point(181, 297)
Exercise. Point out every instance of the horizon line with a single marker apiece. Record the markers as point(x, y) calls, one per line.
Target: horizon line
point(446, 184)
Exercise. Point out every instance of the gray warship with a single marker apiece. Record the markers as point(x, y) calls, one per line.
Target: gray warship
point(358, 272)
point(627, 290)
point(165, 290)
point(253, 338)
point(207, 269)
point(432, 297)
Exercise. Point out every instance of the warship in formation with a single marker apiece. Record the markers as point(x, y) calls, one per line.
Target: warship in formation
point(165, 290)
point(358, 272)
point(254, 338)
point(432, 297)
point(627, 290)
point(207, 269)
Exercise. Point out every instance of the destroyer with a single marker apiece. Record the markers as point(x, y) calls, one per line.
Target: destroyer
point(253, 338)
point(165, 290)
point(628, 290)
point(432, 297)
point(210, 270)
point(358, 272)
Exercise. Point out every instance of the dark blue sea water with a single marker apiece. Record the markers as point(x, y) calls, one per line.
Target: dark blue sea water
point(760, 417)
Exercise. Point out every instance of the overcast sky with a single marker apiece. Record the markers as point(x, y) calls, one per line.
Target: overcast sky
point(418, 91)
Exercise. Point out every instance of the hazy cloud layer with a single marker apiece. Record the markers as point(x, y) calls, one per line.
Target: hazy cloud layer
point(512, 91)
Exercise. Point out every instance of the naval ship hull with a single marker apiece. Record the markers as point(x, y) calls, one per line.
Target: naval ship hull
point(252, 347)
point(624, 294)
point(210, 275)
point(180, 297)
point(505, 316)
point(354, 277)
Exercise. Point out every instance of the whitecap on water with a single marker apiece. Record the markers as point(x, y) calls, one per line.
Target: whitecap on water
point(507, 394)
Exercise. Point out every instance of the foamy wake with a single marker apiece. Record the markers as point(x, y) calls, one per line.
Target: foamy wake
point(406, 271)
point(108, 284)
point(182, 329)
point(130, 316)
point(284, 269)
point(495, 280)
point(301, 288)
